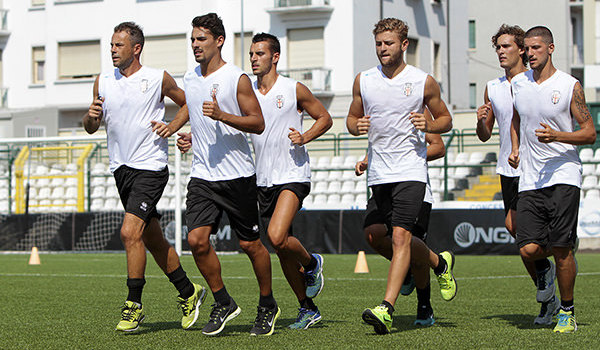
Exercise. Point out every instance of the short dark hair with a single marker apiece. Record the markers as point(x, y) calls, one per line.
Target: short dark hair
point(136, 35)
point(270, 38)
point(212, 22)
point(517, 33)
point(393, 25)
point(542, 32)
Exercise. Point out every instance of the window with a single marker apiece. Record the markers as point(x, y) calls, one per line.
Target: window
point(305, 48)
point(38, 2)
point(78, 60)
point(240, 58)
point(472, 95)
point(168, 52)
point(38, 58)
point(412, 51)
point(437, 62)
point(472, 34)
point(35, 131)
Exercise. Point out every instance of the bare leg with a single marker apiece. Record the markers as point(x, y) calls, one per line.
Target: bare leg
point(164, 254)
point(261, 262)
point(206, 257)
point(565, 271)
point(511, 225)
point(401, 241)
point(131, 236)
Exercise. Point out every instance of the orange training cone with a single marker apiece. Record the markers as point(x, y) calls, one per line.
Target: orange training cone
point(34, 258)
point(361, 263)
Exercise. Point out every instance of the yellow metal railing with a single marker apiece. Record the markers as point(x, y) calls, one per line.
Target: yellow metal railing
point(79, 174)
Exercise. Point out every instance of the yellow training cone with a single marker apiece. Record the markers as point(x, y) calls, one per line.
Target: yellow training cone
point(361, 263)
point(34, 258)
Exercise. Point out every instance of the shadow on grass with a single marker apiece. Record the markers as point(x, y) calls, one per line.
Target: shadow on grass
point(405, 323)
point(324, 323)
point(521, 321)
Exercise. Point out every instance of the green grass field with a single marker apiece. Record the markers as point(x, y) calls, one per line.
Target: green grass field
point(72, 301)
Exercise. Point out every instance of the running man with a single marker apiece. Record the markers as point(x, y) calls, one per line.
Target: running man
point(422, 258)
point(388, 104)
point(510, 47)
point(222, 108)
point(546, 103)
point(131, 100)
point(283, 169)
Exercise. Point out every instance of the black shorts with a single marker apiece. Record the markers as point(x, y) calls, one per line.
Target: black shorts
point(374, 217)
point(510, 192)
point(268, 196)
point(548, 216)
point(398, 204)
point(206, 201)
point(140, 190)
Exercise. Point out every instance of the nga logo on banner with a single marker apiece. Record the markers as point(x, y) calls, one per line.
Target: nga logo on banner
point(465, 235)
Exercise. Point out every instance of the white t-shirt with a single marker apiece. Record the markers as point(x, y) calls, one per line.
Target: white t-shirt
point(397, 150)
point(500, 96)
point(545, 164)
point(278, 160)
point(130, 104)
point(428, 194)
point(221, 152)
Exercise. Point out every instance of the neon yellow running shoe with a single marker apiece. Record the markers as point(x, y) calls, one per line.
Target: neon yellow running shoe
point(446, 279)
point(191, 305)
point(132, 315)
point(379, 318)
point(566, 322)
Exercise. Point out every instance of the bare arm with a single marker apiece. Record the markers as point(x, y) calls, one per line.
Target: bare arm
point(356, 122)
point(442, 120)
point(436, 148)
point(251, 119)
point(584, 136)
point(515, 138)
point(308, 102)
point(172, 91)
point(361, 166)
point(92, 119)
point(485, 119)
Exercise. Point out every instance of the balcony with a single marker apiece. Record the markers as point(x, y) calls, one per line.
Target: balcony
point(318, 80)
point(289, 10)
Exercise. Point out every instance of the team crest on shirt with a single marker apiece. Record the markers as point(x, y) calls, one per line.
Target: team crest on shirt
point(279, 100)
point(555, 96)
point(144, 85)
point(408, 89)
point(214, 90)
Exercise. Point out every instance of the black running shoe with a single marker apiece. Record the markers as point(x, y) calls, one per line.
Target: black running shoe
point(219, 316)
point(265, 321)
point(424, 316)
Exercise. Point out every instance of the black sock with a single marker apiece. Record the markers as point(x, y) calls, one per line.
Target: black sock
point(441, 267)
point(267, 301)
point(389, 307)
point(135, 285)
point(222, 297)
point(312, 264)
point(542, 265)
point(181, 282)
point(567, 305)
point(408, 277)
point(307, 303)
point(424, 296)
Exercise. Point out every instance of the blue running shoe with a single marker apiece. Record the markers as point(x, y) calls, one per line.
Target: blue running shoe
point(424, 316)
point(409, 284)
point(306, 318)
point(314, 278)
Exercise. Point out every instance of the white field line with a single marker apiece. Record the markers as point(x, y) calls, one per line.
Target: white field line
point(251, 277)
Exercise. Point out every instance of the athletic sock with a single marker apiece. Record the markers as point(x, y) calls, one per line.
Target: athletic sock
point(567, 305)
point(311, 265)
point(181, 282)
point(424, 296)
point(441, 267)
point(307, 303)
point(267, 301)
point(408, 277)
point(135, 285)
point(222, 297)
point(389, 307)
point(542, 265)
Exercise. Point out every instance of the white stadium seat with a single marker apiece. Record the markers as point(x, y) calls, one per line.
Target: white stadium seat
point(589, 182)
point(592, 194)
point(334, 187)
point(58, 193)
point(71, 192)
point(98, 192)
point(361, 187)
point(348, 175)
point(476, 158)
point(98, 181)
point(350, 162)
point(111, 192)
point(97, 204)
point(348, 187)
point(99, 169)
point(70, 181)
point(111, 204)
point(586, 154)
point(588, 169)
point(320, 187)
point(44, 193)
point(322, 163)
point(320, 176)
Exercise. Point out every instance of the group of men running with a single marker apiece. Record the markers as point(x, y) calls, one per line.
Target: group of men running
point(397, 105)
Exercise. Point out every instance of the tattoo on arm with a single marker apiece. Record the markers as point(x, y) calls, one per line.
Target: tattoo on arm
point(579, 99)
